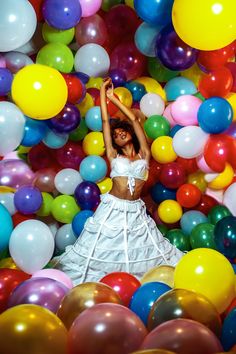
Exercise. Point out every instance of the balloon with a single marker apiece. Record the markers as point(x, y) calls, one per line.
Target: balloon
point(189, 141)
point(123, 283)
point(16, 61)
point(118, 77)
point(67, 120)
point(188, 195)
point(179, 86)
point(7, 200)
point(162, 273)
point(202, 236)
point(217, 213)
point(6, 227)
point(15, 173)
point(152, 86)
point(28, 199)
point(162, 150)
point(229, 197)
point(105, 185)
point(76, 90)
point(209, 273)
point(79, 221)
point(67, 180)
point(93, 118)
point(169, 211)
point(185, 110)
point(124, 95)
point(194, 74)
point(119, 328)
point(87, 195)
point(44, 179)
point(34, 132)
point(93, 144)
point(152, 104)
point(225, 236)
point(159, 193)
point(192, 21)
point(90, 7)
point(64, 237)
point(181, 303)
point(93, 168)
point(159, 72)
point(91, 30)
point(54, 35)
point(178, 239)
point(45, 208)
point(54, 274)
point(217, 83)
point(232, 67)
point(205, 204)
point(153, 351)
point(38, 327)
point(64, 208)
point(35, 87)
point(215, 59)
point(156, 126)
point(6, 78)
point(82, 297)
point(145, 39)
point(137, 90)
point(57, 56)
point(222, 180)
point(154, 12)
point(190, 219)
point(228, 331)
point(172, 175)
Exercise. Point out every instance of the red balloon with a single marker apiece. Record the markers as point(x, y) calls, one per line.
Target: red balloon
point(40, 156)
point(188, 195)
point(172, 175)
point(37, 5)
point(9, 279)
point(232, 67)
point(215, 59)
point(123, 283)
point(189, 165)
point(205, 204)
point(153, 176)
point(75, 88)
point(111, 107)
point(17, 218)
point(217, 83)
point(91, 29)
point(94, 93)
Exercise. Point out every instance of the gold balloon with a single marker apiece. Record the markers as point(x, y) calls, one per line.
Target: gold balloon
point(153, 351)
point(8, 263)
point(163, 274)
point(84, 296)
point(31, 329)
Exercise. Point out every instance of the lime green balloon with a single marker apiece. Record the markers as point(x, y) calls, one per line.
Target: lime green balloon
point(64, 208)
point(79, 133)
point(179, 239)
point(54, 35)
point(159, 72)
point(56, 55)
point(46, 206)
point(156, 126)
point(202, 236)
point(163, 229)
point(217, 213)
point(108, 4)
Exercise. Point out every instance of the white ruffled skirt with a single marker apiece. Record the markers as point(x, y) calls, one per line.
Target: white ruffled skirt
point(120, 236)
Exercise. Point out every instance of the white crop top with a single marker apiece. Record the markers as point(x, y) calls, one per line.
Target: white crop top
point(123, 167)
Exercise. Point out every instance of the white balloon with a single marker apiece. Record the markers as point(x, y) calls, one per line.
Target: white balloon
point(189, 141)
point(31, 245)
point(17, 23)
point(12, 122)
point(152, 104)
point(16, 61)
point(64, 237)
point(92, 59)
point(67, 180)
point(229, 198)
point(7, 199)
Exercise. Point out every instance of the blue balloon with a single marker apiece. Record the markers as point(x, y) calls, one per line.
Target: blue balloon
point(6, 78)
point(159, 193)
point(145, 39)
point(55, 140)
point(82, 76)
point(179, 86)
point(35, 131)
point(87, 195)
point(215, 115)
point(93, 168)
point(137, 90)
point(155, 12)
point(145, 296)
point(174, 130)
point(93, 119)
point(79, 220)
point(228, 336)
point(6, 227)
point(190, 219)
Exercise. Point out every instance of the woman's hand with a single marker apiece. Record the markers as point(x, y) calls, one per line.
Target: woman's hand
point(107, 83)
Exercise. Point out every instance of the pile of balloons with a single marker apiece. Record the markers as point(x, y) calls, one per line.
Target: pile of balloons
point(173, 63)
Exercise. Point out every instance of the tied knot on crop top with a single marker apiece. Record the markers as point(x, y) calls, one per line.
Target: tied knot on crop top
point(123, 167)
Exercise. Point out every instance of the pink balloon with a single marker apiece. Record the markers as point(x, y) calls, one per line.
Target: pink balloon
point(2, 61)
point(184, 110)
point(90, 7)
point(55, 274)
point(91, 29)
point(167, 114)
point(201, 162)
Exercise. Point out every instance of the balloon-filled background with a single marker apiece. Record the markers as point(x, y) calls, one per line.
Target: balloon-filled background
point(173, 63)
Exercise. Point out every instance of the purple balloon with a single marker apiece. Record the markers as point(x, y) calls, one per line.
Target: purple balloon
point(6, 78)
point(173, 52)
point(82, 76)
point(231, 130)
point(70, 155)
point(28, 199)
point(67, 120)
point(118, 77)
point(15, 173)
point(87, 195)
point(44, 292)
point(62, 14)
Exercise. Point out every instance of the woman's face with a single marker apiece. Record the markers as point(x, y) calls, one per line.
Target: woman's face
point(121, 137)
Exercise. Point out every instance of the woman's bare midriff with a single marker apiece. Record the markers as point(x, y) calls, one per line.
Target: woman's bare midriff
point(120, 188)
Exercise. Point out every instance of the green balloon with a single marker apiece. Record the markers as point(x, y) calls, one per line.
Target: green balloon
point(202, 236)
point(217, 213)
point(199, 95)
point(108, 4)
point(56, 55)
point(159, 72)
point(46, 206)
point(54, 35)
point(4, 254)
point(156, 126)
point(179, 239)
point(163, 229)
point(79, 133)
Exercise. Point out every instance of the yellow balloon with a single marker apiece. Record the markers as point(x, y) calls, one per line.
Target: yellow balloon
point(162, 149)
point(231, 98)
point(105, 185)
point(124, 96)
point(152, 86)
point(209, 273)
point(8, 263)
point(39, 91)
point(93, 144)
point(85, 105)
point(130, 3)
point(163, 274)
point(223, 179)
point(170, 211)
point(194, 74)
point(205, 24)
point(94, 82)
point(197, 178)
point(6, 189)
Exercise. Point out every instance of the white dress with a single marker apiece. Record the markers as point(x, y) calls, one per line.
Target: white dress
point(120, 236)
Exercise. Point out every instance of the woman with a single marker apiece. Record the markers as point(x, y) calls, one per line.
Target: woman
point(120, 236)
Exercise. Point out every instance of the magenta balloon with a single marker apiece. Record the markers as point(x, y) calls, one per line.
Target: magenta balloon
point(70, 155)
point(15, 173)
point(184, 337)
point(91, 29)
point(44, 292)
point(55, 274)
point(106, 328)
point(172, 175)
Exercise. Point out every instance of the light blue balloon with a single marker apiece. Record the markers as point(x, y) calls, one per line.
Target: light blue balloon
point(6, 227)
point(35, 131)
point(145, 39)
point(93, 168)
point(190, 219)
point(64, 237)
point(93, 119)
point(179, 86)
point(55, 141)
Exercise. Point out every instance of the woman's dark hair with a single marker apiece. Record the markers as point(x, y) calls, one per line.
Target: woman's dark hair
point(116, 124)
